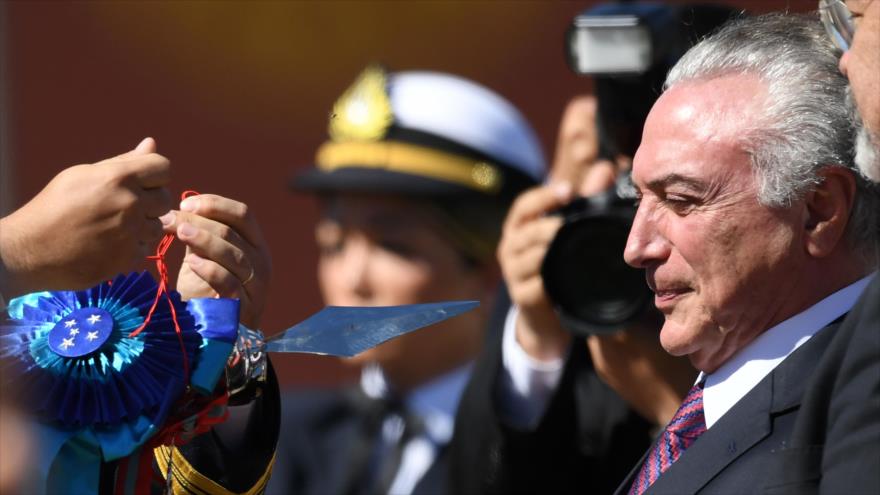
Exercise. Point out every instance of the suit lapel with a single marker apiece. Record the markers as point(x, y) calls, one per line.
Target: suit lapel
point(628, 481)
point(746, 424)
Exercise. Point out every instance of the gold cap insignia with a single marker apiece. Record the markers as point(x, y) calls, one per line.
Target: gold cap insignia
point(363, 112)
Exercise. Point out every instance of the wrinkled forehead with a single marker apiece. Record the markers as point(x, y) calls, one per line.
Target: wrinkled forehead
point(720, 107)
point(697, 128)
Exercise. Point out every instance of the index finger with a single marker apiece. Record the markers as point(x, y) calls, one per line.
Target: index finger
point(227, 211)
point(536, 202)
point(577, 145)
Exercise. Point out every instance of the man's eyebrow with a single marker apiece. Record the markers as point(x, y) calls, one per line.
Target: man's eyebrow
point(674, 179)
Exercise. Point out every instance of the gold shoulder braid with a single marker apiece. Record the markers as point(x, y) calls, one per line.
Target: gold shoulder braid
point(183, 479)
point(363, 112)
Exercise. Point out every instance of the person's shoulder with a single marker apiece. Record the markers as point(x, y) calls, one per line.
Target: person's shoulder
point(859, 332)
point(866, 312)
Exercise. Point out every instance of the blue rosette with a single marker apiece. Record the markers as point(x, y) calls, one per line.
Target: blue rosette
point(98, 391)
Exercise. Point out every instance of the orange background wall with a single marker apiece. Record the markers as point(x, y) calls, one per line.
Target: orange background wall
point(237, 95)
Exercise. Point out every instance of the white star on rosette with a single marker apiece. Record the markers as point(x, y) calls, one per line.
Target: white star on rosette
point(69, 323)
point(65, 343)
point(90, 336)
point(94, 319)
point(74, 332)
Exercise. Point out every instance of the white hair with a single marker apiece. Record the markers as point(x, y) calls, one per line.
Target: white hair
point(809, 121)
point(867, 155)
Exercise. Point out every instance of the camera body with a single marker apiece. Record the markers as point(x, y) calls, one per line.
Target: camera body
point(593, 289)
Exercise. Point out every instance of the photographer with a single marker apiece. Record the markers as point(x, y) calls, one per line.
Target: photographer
point(542, 400)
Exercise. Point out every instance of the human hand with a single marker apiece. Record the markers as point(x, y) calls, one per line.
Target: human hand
point(525, 238)
point(226, 255)
point(528, 231)
point(89, 223)
point(633, 363)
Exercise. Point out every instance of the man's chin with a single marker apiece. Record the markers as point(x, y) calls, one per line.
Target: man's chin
point(675, 339)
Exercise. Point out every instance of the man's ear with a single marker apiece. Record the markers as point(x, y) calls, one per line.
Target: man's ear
point(828, 211)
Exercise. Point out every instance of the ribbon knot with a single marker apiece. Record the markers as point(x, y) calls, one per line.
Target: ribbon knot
point(162, 268)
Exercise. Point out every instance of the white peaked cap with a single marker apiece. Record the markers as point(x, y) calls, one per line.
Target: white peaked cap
point(468, 113)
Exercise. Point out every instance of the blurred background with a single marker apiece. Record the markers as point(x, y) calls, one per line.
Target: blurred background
point(237, 95)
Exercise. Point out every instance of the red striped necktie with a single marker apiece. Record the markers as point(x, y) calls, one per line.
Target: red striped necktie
point(686, 426)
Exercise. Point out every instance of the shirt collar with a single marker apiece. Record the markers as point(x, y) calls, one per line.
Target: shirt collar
point(745, 369)
point(435, 401)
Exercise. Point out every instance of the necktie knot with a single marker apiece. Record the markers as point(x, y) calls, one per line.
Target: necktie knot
point(683, 429)
point(689, 421)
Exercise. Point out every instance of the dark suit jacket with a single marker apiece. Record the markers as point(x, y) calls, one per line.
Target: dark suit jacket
point(586, 441)
point(812, 425)
point(322, 444)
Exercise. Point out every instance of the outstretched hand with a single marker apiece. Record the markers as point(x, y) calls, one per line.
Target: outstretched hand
point(89, 223)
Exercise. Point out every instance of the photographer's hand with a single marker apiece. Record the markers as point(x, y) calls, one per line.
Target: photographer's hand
point(528, 230)
point(525, 238)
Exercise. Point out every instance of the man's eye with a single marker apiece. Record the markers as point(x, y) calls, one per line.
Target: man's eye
point(678, 204)
point(855, 19)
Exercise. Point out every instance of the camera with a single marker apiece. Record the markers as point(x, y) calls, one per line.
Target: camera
point(628, 47)
point(584, 274)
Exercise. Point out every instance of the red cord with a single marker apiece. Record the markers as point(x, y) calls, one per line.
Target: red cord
point(162, 268)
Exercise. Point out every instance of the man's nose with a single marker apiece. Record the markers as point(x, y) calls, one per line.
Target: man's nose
point(844, 62)
point(645, 245)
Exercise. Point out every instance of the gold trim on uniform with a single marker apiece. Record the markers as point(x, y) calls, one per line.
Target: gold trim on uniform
point(411, 159)
point(186, 480)
point(363, 112)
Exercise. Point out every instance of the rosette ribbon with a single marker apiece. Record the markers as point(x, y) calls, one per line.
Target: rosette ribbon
point(103, 369)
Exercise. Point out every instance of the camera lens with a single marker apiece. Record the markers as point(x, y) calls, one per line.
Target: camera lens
point(585, 275)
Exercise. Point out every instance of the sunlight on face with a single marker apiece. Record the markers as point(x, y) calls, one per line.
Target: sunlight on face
point(717, 260)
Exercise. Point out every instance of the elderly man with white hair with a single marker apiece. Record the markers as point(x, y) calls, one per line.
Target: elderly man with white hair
point(758, 235)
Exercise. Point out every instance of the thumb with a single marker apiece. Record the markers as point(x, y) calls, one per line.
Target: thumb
point(145, 147)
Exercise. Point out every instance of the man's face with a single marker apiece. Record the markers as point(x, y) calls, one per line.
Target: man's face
point(861, 64)
point(723, 267)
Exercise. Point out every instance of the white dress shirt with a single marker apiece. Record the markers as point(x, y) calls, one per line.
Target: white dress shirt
point(526, 384)
point(435, 403)
point(745, 369)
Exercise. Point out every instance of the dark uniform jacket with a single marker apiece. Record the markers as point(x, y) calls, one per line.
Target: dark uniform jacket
point(586, 442)
point(232, 458)
point(327, 443)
